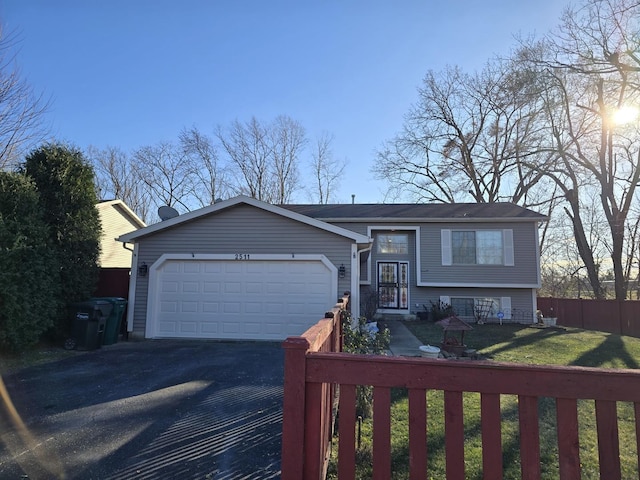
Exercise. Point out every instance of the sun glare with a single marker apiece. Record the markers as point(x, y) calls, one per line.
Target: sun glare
point(626, 114)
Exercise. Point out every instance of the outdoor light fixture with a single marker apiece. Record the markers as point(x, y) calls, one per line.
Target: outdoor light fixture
point(342, 271)
point(143, 269)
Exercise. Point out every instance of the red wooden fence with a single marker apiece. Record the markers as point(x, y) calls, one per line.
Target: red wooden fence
point(614, 316)
point(313, 365)
point(308, 418)
point(113, 282)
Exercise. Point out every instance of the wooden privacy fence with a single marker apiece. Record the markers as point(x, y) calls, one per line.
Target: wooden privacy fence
point(614, 316)
point(314, 366)
point(113, 282)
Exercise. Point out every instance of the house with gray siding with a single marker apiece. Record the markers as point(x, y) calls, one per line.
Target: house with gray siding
point(245, 269)
point(479, 258)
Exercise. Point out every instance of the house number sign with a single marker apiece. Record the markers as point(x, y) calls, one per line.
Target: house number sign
point(242, 256)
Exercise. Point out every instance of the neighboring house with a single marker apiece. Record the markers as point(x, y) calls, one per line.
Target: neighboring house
point(245, 269)
point(116, 219)
point(115, 260)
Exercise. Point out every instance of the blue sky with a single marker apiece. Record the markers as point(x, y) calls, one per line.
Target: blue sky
point(133, 73)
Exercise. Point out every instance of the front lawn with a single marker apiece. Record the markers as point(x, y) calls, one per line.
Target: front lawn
point(542, 346)
point(521, 344)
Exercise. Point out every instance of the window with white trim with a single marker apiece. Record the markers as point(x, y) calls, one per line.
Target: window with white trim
point(393, 243)
point(477, 247)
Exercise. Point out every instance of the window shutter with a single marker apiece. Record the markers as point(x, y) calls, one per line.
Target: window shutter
point(505, 306)
point(445, 237)
point(507, 237)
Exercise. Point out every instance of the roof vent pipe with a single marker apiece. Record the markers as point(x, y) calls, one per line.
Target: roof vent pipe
point(353, 199)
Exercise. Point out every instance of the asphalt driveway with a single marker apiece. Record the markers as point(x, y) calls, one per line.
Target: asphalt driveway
point(153, 409)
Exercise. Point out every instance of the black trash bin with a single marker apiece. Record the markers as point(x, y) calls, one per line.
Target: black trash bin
point(114, 319)
point(88, 321)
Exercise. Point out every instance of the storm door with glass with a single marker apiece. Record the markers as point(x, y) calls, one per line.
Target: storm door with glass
point(393, 285)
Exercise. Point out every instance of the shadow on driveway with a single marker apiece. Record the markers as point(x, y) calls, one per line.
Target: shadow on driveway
point(153, 409)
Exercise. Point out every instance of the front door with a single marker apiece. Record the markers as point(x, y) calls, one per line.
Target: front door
point(393, 285)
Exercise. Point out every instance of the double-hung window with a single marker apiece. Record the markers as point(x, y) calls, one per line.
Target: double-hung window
point(483, 247)
point(477, 247)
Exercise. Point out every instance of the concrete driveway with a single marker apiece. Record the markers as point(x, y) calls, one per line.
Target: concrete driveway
point(153, 409)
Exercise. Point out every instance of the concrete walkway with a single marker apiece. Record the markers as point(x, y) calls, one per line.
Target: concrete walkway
point(403, 342)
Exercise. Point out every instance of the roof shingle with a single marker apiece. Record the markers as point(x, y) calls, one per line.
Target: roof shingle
point(416, 211)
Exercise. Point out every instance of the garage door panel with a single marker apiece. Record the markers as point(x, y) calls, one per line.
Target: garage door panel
point(232, 287)
point(267, 300)
point(210, 307)
point(253, 287)
point(253, 307)
point(233, 267)
point(252, 328)
point(229, 307)
point(276, 268)
point(168, 327)
point(209, 328)
point(230, 328)
point(169, 286)
point(191, 287)
point(188, 327)
point(273, 328)
point(255, 268)
point(297, 309)
point(191, 267)
point(189, 307)
point(211, 287)
point(275, 288)
point(271, 308)
point(212, 267)
point(172, 267)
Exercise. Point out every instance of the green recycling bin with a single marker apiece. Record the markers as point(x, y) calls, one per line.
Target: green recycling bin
point(114, 320)
point(88, 321)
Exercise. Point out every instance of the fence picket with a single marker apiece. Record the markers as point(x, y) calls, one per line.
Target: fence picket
point(454, 433)
point(608, 442)
point(491, 436)
point(417, 433)
point(568, 440)
point(529, 437)
point(381, 433)
point(347, 433)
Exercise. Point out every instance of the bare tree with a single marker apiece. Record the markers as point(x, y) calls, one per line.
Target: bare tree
point(263, 159)
point(327, 170)
point(248, 151)
point(591, 68)
point(467, 137)
point(209, 173)
point(288, 139)
point(21, 109)
point(118, 177)
point(167, 173)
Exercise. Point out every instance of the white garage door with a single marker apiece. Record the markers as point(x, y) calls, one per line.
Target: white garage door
point(229, 299)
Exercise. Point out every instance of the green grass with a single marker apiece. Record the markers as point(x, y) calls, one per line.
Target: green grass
point(543, 346)
point(521, 344)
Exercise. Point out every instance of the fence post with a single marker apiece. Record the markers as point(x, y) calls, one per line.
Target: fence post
point(293, 408)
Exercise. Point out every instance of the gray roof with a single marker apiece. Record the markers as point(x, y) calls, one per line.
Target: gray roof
point(417, 211)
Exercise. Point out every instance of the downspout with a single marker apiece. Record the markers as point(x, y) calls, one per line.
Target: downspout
point(132, 285)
